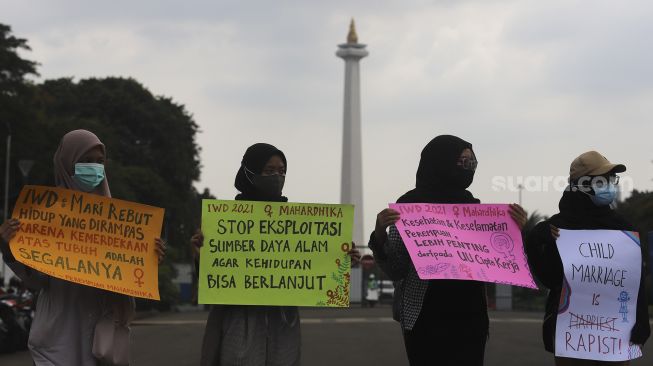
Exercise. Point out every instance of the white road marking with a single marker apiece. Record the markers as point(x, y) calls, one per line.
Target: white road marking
point(515, 320)
point(169, 322)
point(326, 321)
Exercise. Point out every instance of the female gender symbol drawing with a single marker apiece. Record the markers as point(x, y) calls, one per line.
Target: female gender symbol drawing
point(138, 274)
point(502, 243)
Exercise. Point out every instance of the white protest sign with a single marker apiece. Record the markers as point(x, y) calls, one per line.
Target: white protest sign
point(598, 301)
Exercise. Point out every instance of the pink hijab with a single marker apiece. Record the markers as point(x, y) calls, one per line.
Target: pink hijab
point(72, 147)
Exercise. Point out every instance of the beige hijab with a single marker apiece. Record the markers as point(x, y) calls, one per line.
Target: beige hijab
point(72, 147)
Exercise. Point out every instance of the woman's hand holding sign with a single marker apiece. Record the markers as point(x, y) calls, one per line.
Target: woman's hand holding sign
point(7, 232)
point(160, 248)
point(519, 215)
point(384, 219)
point(354, 254)
point(196, 242)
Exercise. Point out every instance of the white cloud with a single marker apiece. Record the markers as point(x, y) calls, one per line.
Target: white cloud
point(531, 84)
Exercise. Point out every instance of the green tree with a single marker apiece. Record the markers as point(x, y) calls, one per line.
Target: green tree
point(638, 209)
point(151, 149)
point(532, 220)
point(13, 68)
point(152, 154)
point(15, 91)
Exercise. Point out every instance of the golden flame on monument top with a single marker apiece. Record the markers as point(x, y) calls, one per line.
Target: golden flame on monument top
point(352, 37)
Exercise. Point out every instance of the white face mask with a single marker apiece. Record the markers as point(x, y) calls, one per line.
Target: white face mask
point(605, 195)
point(88, 175)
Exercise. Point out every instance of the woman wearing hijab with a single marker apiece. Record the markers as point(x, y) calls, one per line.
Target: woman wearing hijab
point(245, 335)
point(585, 205)
point(66, 313)
point(444, 322)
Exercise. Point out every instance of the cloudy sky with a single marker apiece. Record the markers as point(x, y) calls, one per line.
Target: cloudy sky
point(531, 84)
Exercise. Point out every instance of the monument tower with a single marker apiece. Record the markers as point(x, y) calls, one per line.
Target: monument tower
point(351, 188)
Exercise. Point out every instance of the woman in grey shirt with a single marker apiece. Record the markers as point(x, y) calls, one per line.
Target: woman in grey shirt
point(67, 313)
point(242, 335)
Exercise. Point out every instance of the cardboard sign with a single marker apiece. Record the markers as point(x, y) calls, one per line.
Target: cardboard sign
point(598, 302)
point(274, 253)
point(464, 242)
point(89, 239)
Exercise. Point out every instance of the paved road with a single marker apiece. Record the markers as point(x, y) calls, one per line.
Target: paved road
point(336, 337)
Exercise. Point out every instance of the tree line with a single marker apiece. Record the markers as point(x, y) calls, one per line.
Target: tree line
point(152, 153)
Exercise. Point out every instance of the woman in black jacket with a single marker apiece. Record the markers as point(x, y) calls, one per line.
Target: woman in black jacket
point(444, 322)
point(583, 206)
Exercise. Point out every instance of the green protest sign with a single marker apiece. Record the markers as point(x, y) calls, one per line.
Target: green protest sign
point(275, 253)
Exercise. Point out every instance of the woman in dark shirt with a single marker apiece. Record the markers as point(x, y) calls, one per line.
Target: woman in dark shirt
point(444, 322)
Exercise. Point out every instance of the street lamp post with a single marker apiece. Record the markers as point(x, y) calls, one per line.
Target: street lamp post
point(6, 207)
point(521, 188)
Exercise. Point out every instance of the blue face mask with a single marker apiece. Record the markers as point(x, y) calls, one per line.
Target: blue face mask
point(88, 175)
point(605, 195)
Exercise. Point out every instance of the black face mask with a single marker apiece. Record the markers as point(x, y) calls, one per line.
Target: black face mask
point(462, 178)
point(269, 186)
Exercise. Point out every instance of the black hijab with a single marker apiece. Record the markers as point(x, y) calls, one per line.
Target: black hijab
point(439, 178)
point(254, 160)
point(439, 181)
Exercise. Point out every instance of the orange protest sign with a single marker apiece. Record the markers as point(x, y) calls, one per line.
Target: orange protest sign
point(89, 239)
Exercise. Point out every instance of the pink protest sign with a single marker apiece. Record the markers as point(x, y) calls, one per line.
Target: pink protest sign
point(464, 242)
